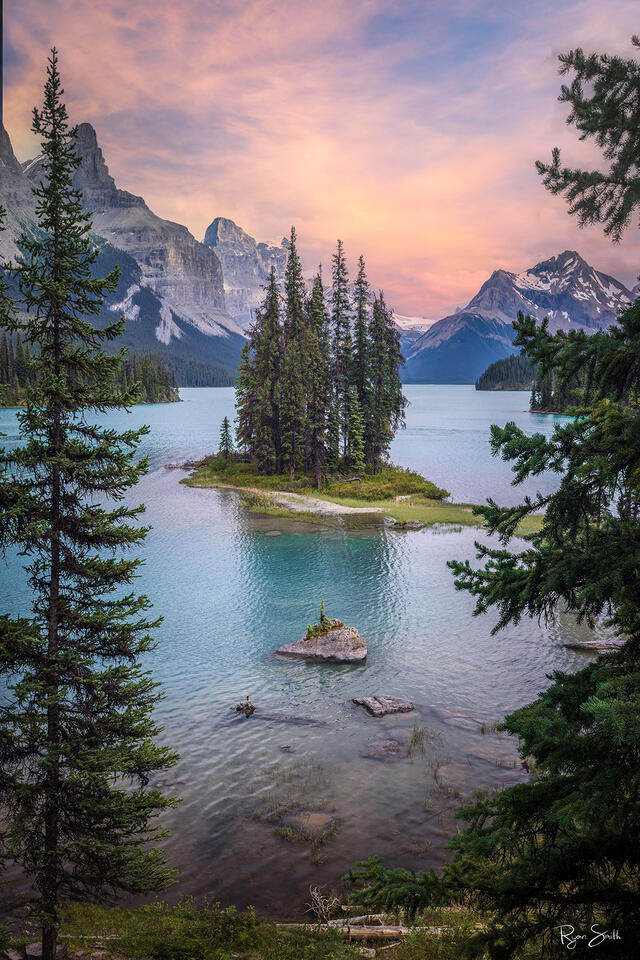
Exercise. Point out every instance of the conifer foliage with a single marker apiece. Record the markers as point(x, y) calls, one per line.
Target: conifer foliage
point(157, 383)
point(77, 738)
point(563, 848)
point(319, 389)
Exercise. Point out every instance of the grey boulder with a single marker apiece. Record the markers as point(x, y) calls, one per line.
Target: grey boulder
point(340, 645)
point(381, 706)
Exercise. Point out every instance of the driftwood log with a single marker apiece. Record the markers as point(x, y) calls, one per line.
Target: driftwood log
point(357, 932)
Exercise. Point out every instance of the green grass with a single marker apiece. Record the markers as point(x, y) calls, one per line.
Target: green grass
point(425, 502)
point(191, 931)
point(206, 931)
point(389, 483)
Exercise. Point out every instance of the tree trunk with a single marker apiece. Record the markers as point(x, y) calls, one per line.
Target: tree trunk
point(49, 888)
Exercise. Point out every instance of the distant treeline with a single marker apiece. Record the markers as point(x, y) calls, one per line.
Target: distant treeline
point(515, 372)
point(158, 384)
point(199, 373)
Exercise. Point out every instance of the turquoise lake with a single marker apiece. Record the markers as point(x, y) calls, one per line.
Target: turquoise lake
point(233, 586)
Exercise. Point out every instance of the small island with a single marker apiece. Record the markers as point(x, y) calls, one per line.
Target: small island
point(329, 641)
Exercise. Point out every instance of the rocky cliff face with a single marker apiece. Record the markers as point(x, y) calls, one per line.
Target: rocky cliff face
point(185, 274)
point(16, 197)
point(246, 266)
point(565, 289)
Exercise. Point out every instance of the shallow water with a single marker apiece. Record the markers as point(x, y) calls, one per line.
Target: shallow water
point(232, 587)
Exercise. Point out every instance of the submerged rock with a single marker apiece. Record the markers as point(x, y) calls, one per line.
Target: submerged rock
point(408, 525)
point(310, 824)
point(383, 749)
point(381, 706)
point(337, 644)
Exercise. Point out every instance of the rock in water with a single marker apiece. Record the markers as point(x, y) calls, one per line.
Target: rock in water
point(339, 644)
point(381, 706)
point(383, 749)
point(246, 707)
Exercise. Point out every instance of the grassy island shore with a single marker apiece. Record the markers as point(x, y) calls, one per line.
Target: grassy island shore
point(395, 492)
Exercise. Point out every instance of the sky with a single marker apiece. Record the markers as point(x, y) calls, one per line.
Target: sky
point(408, 128)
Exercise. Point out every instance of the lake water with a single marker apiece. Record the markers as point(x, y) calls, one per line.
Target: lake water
point(233, 586)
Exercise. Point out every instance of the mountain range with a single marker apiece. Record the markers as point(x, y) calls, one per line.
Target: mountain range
point(565, 288)
point(191, 302)
point(171, 288)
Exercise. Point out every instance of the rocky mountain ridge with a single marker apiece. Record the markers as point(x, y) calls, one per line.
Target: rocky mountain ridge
point(565, 289)
point(171, 290)
point(246, 265)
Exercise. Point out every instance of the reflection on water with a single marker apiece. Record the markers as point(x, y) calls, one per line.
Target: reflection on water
point(310, 784)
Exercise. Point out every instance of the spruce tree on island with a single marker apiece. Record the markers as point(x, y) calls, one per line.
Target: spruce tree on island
point(266, 341)
point(226, 442)
point(77, 740)
point(355, 452)
point(342, 341)
point(294, 381)
point(245, 400)
point(387, 402)
point(362, 358)
point(319, 379)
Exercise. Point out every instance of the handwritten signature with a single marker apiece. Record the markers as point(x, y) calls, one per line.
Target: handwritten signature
point(570, 939)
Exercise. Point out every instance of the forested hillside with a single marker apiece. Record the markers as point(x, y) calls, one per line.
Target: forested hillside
point(157, 382)
point(510, 373)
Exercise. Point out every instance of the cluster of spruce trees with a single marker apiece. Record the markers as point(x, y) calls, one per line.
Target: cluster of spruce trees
point(553, 393)
point(157, 384)
point(319, 386)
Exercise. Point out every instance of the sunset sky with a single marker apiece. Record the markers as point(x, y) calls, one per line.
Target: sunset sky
point(408, 129)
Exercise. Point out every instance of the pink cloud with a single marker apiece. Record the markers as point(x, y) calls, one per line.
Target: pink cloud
point(414, 150)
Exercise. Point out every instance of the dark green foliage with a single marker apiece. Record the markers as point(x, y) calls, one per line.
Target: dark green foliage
point(515, 372)
point(319, 369)
point(226, 441)
point(77, 741)
point(387, 403)
point(342, 347)
point(306, 403)
point(156, 381)
point(297, 356)
point(196, 373)
point(362, 344)
point(564, 848)
point(355, 435)
point(206, 931)
point(246, 404)
point(604, 102)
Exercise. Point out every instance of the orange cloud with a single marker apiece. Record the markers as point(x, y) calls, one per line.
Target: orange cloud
point(407, 128)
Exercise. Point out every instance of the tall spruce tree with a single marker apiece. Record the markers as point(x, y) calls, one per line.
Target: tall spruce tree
point(342, 341)
point(355, 453)
point(319, 380)
point(362, 346)
point(225, 448)
point(387, 402)
point(266, 340)
point(563, 849)
point(245, 401)
point(294, 381)
point(77, 739)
